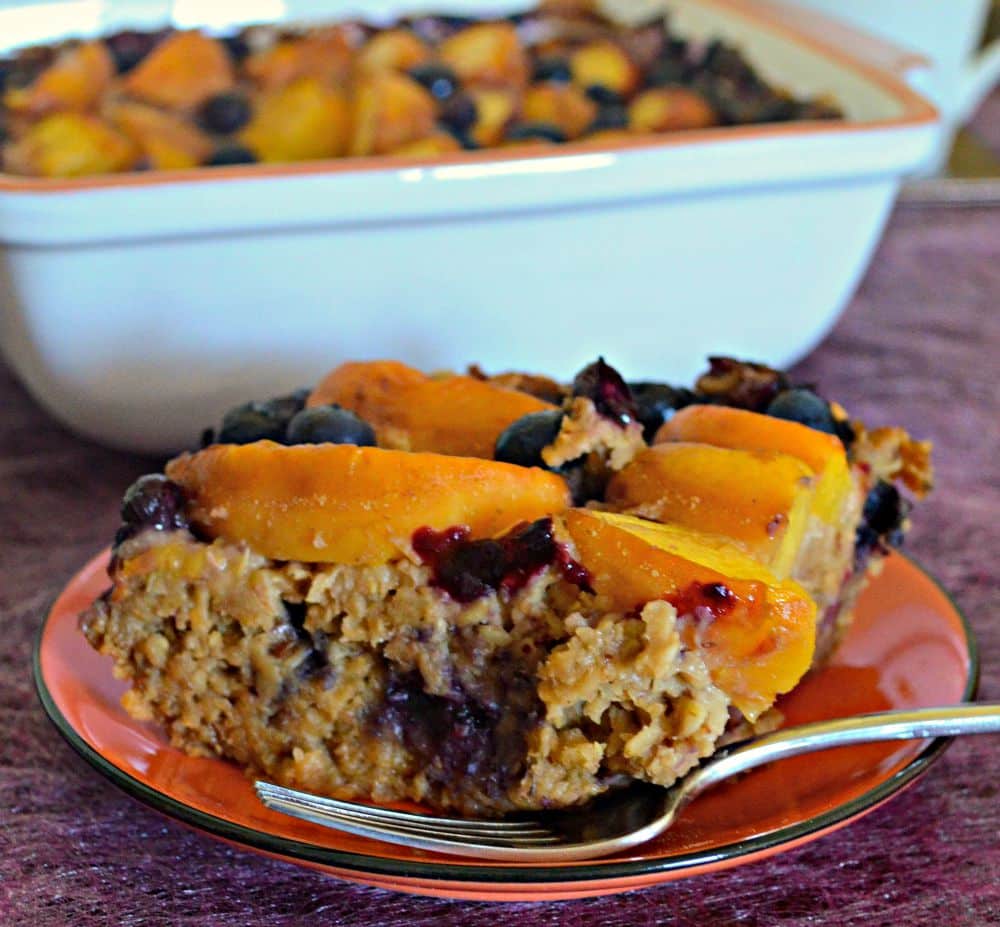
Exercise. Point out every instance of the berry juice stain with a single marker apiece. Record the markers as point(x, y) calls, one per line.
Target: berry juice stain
point(468, 570)
point(715, 600)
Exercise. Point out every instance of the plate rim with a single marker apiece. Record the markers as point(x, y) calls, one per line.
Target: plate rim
point(446, 871)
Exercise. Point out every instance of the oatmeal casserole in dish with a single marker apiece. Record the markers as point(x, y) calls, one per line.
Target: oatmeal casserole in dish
point(421, 86)
point(492, 593)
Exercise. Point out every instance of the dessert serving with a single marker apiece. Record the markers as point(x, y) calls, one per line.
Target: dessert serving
point(421, 86)
point(492, 593)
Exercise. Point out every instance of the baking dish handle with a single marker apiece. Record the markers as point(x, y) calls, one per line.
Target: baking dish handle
point(908, 65)
point(981, 76)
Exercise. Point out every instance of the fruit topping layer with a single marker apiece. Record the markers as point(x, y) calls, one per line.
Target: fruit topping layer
point(421, 87)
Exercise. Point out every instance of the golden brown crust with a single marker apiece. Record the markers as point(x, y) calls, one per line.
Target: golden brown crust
point(890, 454)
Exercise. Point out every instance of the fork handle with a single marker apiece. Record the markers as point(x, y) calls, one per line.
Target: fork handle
point(913, 724)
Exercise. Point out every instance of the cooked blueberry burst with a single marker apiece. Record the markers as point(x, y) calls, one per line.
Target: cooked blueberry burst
point(498, 593)
point(604, 386)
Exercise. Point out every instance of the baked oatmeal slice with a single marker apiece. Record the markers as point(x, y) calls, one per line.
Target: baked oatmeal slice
point(405, 651)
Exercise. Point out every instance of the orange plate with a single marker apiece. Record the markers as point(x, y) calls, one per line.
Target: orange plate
point(909, 647)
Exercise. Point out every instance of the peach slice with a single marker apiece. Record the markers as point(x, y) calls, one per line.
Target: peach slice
point(74, 81)
point(301, 121)
point(71, 145)
point(336, 503)
point(488, 54)
point(167, 141)
point(390, 110)
point(670, 109)
point(562, 105)
point(392, 50)
point(453, 414)
point(751, 431)
point(757, 646)
point(494, 111)
point(604, 64)
point(325, 54)
point(182, 71)
point(759, 500)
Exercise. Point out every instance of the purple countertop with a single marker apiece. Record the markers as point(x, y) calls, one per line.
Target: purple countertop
point(918, 347)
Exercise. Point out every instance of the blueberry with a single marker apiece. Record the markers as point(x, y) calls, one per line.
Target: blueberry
point(456, 22)
point(231, 154)
point(610, 116)
point(123, 534)
point(584, 485)
point(846, 433)
point(523, 441)
point(260, 421)
point(677, 48)
point(605, 96)
point(128, 48)
point(553, 68)
point(656, 404)
point(885, 509)
point(6, 66)
point(441, 81)
point(237, 46)
point(153, 501)
point(459, 114)
point(604, 386)
point(667, 70)
point(883, 517)
point(288, 406)
point(225, 113)
point(526, 131)
point(330, 425)
point(517, 19)
point(805, 407)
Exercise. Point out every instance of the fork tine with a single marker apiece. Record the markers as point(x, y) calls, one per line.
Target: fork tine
point(426, 826)
point(431, 827)
point(428, 840)
point(451, 835)
point(392, 816)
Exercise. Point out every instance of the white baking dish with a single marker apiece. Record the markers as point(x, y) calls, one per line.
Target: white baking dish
point(137, 308)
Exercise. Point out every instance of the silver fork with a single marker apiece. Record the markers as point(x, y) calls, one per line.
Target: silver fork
point(622, 819)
